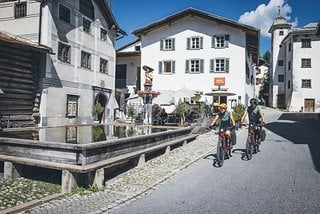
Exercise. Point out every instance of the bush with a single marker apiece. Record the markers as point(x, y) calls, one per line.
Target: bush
point(97, 108)
point(238, 111)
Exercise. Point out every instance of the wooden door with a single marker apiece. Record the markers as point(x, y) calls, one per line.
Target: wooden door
point(309, 105)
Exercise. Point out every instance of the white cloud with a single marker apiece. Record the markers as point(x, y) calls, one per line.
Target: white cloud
point(264, 15)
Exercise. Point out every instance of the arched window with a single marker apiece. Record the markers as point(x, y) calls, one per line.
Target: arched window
point(86, 8)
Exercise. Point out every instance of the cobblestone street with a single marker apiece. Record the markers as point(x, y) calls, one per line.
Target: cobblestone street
point(135, 183)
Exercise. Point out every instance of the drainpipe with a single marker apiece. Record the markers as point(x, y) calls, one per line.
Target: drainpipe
point(42, 2)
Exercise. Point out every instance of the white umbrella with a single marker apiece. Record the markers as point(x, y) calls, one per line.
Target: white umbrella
point(220, 93)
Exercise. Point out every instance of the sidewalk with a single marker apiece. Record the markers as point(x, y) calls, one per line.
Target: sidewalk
point(135, 183)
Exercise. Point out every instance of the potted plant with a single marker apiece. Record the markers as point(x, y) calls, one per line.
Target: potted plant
point(238, 112)
point(97, 109)
point(181, 110)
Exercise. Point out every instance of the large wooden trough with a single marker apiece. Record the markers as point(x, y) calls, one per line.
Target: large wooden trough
point(77, 161)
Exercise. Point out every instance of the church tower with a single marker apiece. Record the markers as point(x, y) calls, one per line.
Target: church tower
point(279, 29)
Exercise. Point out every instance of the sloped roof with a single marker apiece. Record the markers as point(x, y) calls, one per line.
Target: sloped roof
point(193, 12)
point(252, 33)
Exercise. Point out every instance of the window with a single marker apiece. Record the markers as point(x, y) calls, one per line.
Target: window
point(289, 46)
point(20, 9)
point(306, 83)
point(305, 43)
point(103, 34)
point(289, 66)
point(281, 33)
point(167, 67)
point(137, 48)
point(86, 25)
point(289, 84)
point(64, 13)
point(280, 78)
point(85, 60)
point(220, 41)
point(194, 66)
point(195, 43)
point(72, 105)
point(64, 53)
point(167, 44)
point(280, 62)
point(219, 65)
point(305, 63)
point(103, 66)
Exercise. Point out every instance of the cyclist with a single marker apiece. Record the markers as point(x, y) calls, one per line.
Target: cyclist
point(227, 122)
point(255, 114)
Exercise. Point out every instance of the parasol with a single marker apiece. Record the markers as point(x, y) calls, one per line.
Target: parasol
point(220, 93)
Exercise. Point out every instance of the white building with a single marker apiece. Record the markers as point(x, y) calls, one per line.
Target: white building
point(262, 72)
point(294, 69)
point(81, 68)
point(199, 51)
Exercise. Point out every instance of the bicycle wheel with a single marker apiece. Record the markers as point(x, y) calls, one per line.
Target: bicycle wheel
point(249, 148)
point(220, 152)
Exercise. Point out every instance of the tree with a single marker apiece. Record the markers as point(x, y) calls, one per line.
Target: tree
point(181, 109)
point(266, 56)
point(264, 90)
point(131, 111)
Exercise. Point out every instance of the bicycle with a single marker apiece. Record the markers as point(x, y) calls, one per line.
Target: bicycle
point(224, 147)
point(253, 140)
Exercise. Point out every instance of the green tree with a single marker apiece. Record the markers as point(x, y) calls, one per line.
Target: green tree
point(266, 56)
point(181, 109)
point(238, 111)
point(131, 111)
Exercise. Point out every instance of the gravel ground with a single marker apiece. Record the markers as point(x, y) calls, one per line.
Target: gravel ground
point(133, 184)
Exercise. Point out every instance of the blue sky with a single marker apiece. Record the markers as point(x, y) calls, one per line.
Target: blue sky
point(133, 14)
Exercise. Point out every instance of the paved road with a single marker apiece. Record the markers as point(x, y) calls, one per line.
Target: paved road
point(283, 178)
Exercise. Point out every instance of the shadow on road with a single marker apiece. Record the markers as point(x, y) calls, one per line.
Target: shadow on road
point(300, 128)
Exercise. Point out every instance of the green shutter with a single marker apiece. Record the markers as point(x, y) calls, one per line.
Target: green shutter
point(187, 66)
point(188, 43)
point(173, 66)
point(201, 42)
point(226, 40)
point(211, 65)
point(214, 41)
point(173, 44)
point(227, 64)
point(161, 44)
point(201, 66)
point(160, 67)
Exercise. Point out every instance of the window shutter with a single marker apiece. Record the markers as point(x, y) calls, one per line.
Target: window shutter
point(187, 66)
point(160, 67)
point(161, 45)
point(214, 41)
point(227, 64)
point(226, 40)
point(173, 44)
point(188, 43)
point(201, 42)
point(173, 66)
point(211, 65)
point(201, 66)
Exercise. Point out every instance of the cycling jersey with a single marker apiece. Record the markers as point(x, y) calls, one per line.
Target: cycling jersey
point(254, 114)
point(225, 120)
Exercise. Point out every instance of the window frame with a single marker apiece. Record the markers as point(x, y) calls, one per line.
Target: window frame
point(195, 43)
point(194, 66)
point(166, 64)
point(103, 34)
point(280, 62)
point(104, 66)
point(85, 60)
point(167, 44)
point(62, 56)
point(306, 83)
point(218, 68)
point(85, 27)
point(280, 79)
point(306, 43)
point(20, 12)
point(305, 62)
point(72, 108)
point(220, 41)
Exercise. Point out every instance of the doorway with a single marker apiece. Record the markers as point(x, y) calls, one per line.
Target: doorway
point(309, 105)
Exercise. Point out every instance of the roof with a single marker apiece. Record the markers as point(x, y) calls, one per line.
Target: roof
point(129, 44)
point(311, 29)
point(252, 33)
point(109, 16)
point(192, 12)
point(18, 41)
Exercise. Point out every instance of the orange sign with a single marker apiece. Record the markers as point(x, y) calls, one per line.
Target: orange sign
point(219, 81)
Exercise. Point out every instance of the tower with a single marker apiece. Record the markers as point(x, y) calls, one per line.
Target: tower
point(279, 29)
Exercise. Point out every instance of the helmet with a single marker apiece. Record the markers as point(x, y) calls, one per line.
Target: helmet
point(253, 101)
point(223, 106)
